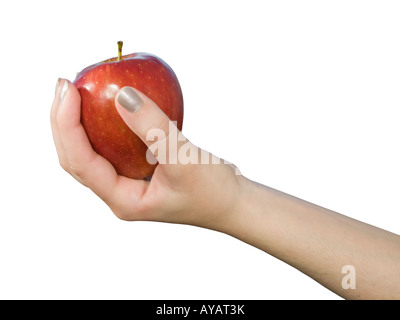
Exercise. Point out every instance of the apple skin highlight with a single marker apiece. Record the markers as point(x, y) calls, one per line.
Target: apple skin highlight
point(107, 132)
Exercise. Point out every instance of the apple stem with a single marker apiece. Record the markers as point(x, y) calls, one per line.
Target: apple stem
point(120, 43)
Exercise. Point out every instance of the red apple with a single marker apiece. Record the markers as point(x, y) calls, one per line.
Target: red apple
point(107, 132)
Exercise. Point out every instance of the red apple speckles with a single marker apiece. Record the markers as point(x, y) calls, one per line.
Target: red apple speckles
point(107, 132)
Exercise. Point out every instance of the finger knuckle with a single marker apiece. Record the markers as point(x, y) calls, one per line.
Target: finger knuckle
point(76, 171)
point(121, 214)
point(64, 164)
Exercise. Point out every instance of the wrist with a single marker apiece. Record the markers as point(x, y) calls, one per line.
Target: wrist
point(254, 219)
point(238, 220)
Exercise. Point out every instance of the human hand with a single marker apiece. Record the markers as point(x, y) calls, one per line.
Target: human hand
point(304, 235)
point(203, 194)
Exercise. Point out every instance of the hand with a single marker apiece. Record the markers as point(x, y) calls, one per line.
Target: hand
point(315, 240)
point(205, 195)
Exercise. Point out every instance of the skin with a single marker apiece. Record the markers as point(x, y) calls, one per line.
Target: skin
point(312, 239)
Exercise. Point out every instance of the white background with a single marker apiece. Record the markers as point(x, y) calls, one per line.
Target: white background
point(302, 95)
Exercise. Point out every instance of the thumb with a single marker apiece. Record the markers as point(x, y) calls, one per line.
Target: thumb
point(146, 119)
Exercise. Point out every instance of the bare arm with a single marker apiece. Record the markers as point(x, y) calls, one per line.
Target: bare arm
point(316, 241)
point(349, 257)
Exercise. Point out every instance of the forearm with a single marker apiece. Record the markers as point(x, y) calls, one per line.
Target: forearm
point(315, 240)
point(320, 242)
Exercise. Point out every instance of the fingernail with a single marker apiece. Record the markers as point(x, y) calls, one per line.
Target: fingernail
point(58, 83)
point(129, 99)
point(63, 90)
